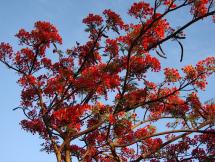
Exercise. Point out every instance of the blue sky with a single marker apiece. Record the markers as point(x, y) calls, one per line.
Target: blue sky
point(67, 15)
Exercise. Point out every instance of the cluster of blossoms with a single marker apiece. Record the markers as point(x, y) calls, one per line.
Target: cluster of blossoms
point(85, 49)
point(172, 75)
point(112, 48)
point(40, 38)
point(199, 7)
point(102, 81)
point(140, 64)
point(34, 126)
point(92, 19)
point(69, 116)
point(113, 20)
point(6, 51)
point(200, 72)
point(170, 3)
point(140, 10)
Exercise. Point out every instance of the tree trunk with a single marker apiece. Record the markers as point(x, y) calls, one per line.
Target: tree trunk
point(67, 155)
point(58, 156)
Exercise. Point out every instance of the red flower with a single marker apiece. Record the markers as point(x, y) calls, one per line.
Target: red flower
point(92, 19)
point(199, 8)
point(113, 19)
point(172, 75)
point(169, 3)
point(140, 10)
point(41, 37)
point(5, 50)
point(112, 47)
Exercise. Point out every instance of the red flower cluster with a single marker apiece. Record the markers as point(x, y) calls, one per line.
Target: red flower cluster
point(178, 148)
point(28, 96)
point(122, 127)
point(199, 8)
point(203, 69)
point(112, 48)
point(46, 62)
point(140, 10)
point(113, 20)
point(151, 144)
point(69, 116)
point(143, 132)
point(176, 106)
point(40, 38)
point(149, 35)
point(201, 153)
point(34, 126)
point(102, 79)
point(28, 80)
point(46, 32)
point(172, 74)
point(6, 51)
point(24, 58)
point(190, 72)
point(169, 3)
point(210, 110)
point(88, 51)
point(133, 97)
point(153, 62)
point(140, 64)
point(92, 19)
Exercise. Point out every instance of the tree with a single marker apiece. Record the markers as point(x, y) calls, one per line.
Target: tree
point(94, 101)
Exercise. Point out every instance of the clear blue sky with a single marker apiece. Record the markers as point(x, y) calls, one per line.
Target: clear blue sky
point(67, 15)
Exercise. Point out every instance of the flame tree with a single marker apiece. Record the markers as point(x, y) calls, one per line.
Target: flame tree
point(95, 101)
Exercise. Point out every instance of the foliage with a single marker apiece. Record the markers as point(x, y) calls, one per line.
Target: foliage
point(99, 94)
